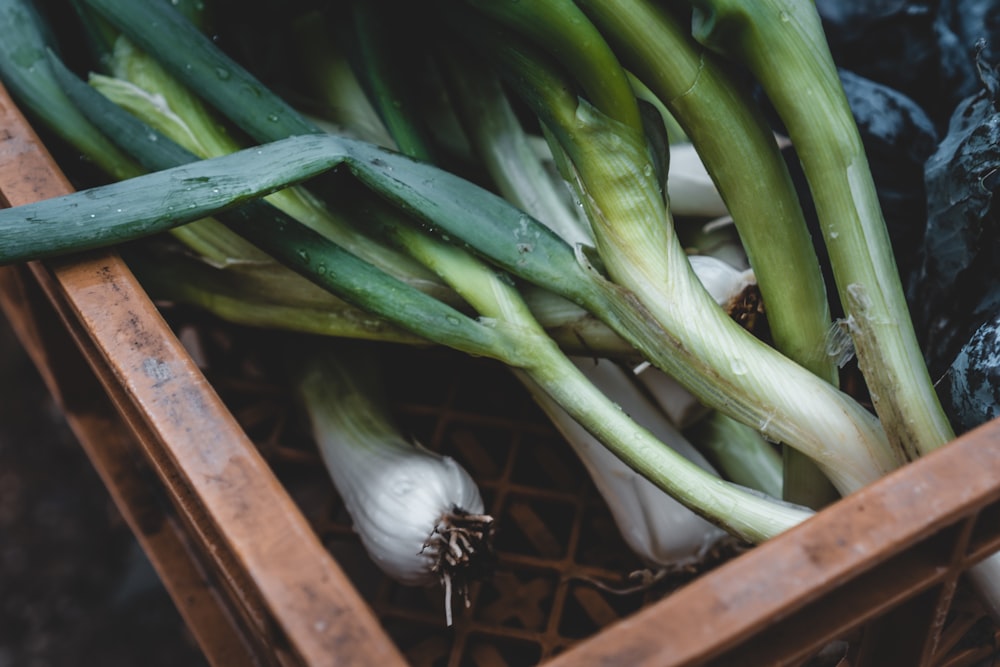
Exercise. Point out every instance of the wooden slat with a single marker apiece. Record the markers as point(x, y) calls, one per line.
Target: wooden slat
point(865, 555)
point(113, 450)
point(268, 558)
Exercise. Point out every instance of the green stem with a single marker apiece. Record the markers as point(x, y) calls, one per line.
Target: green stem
point(738, 149)
point(732, 137)
point(25, 71)
point(565, 33)
point(722, 364)
point(739, 453)
point(158, 28)
point(379, 45)
point(509, 237)
point(783, 44)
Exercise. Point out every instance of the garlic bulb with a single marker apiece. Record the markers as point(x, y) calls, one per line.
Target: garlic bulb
point(419, 514)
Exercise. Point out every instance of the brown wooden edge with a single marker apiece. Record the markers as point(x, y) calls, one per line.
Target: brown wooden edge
point(896, 547)
point(265, 555)
point(114, 452)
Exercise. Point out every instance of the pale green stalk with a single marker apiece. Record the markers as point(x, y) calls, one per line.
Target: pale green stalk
point(783, 44)
point(640, 250)
point(507, 153)
point(739, 453)
point(739, 151)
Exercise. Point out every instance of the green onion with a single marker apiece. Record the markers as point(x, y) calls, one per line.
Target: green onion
point(24, 69)
point(642, 253)
point(783, 44)
point(419, 515)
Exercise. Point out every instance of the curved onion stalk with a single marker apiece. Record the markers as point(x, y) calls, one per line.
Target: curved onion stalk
point(729, 287)
point(267, 294)
point(673, 533)
point(656, 527)
point(641, 252)
point(223, 288)
point(225, 182)
point(738, 450)
point(739, 453)
point(496, 130)
point(508, 331)
point(535, 355)
point(419, 514)
point(212, 185)
point(148, 91)
point(783, 44)
point(731, 135)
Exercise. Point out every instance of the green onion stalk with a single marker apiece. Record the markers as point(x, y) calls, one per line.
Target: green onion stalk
point(526, 347)
point(194, 127)
point(449, 261)
point(532, 255)
point(141, 84)
point(235, 280)
point(720, 362)
point(501, 141)
point(25, 71)
point(738, 452)
point(731, 136)
point(446, 203)
point(662, 531)
point(784, 46)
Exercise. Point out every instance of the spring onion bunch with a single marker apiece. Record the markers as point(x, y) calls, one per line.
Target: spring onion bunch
point(638, 246)
point(391, 232)
point(783, 44)
point(659, 58)
point(506, 329)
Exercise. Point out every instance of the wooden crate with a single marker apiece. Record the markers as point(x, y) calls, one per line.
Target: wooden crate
point(254, 578)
